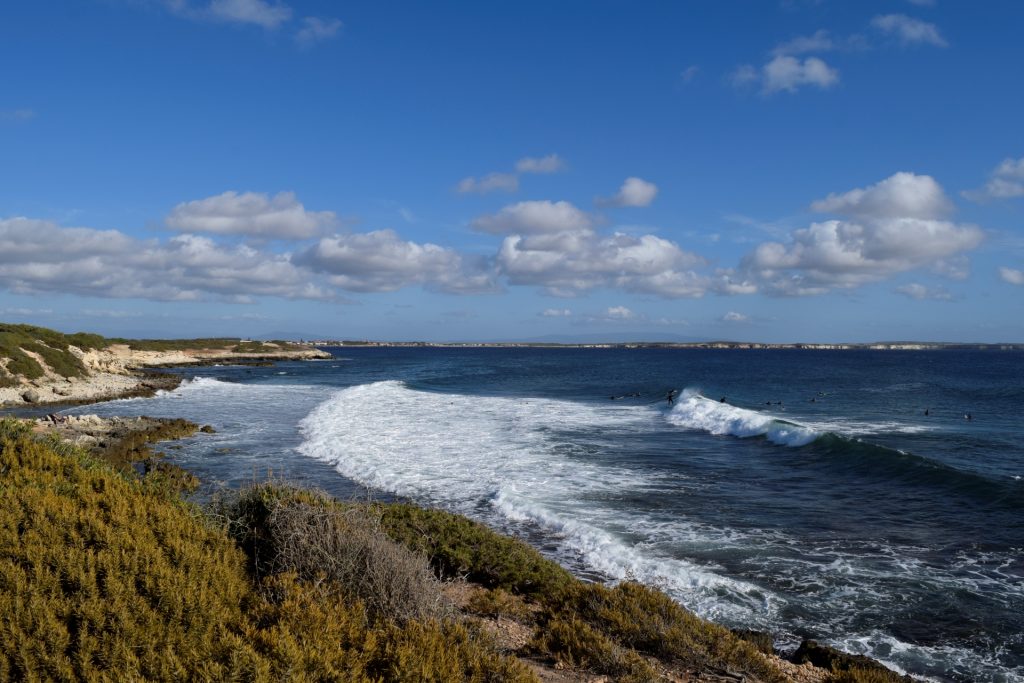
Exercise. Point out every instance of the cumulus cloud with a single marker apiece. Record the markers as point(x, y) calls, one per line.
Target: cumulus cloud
point(380, 261)
point(1011, 275)
point(903, 194)
point(1005, 182)
point(552, 163)
point(315, 30)
point(534, 217)
point(570, 263)
point(634, 192)
point(888, 228)
point(786, 73)
point(41, 257)
point(556, 313)
point(734, 317)
point(820, 41)
point(509, 182)
point(789, 74)
point(251, 214)
point(619, 313)
point(916, 290)
point(506, 182)
point(259, 12)
point(909, 31)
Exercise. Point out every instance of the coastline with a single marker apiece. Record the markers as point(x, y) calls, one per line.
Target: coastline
point(534, 620)
point(118, 372)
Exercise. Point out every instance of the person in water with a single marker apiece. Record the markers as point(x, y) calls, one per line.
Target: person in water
point(671, 398)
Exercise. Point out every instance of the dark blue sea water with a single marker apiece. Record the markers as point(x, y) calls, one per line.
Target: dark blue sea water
point(819, 499)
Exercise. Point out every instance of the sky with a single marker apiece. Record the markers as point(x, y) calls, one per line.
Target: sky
point(779, 170)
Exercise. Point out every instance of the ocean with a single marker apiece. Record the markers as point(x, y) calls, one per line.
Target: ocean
point(840, 495)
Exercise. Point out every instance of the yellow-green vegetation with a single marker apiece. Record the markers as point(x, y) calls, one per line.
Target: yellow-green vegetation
point(214, 343)
point(108, 575)
point(104, 578)
point(50, 345)
point(611, 630)
point(461, 548)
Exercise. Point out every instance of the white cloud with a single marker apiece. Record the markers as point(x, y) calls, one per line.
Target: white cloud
point(1005, 182)
point(922, 3)
point(556, 313)
point(552, 163)
point(820, 41)
point(903, 194)
point(315, 30)
point(258, 12)
point(41, 257)
point(569, 263)
point(689, 73)
point(744, 75)
point(893, 227)
point(734, 317)
point(25, 311)
point(252, 214)
point(17, 115)
point(380, 261)
point(506, 182)
point(785, 73)
point(533, 218)
point(916, 290)
point(909, 31)
point(1011, 275)
point(619, 313)
point(789, 74)
point(509, 182)
point(634, 192)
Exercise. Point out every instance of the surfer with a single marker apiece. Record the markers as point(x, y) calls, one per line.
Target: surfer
point(927, 412)
point(671, 397)
point(722, 400)
point(968, 417)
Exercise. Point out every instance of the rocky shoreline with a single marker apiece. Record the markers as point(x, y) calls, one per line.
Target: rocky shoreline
point(119, 371)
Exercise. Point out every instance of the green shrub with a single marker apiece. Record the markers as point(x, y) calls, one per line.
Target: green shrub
point(650, 622)
point(103, 578)
point(459, 547)
point(576, 644)
point(498, 603)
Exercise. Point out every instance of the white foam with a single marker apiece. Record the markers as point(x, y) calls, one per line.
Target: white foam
point(694, 411)
point(520, 460)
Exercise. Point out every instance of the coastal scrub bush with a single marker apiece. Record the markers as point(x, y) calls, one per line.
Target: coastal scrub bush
point(103, 579)
point(576, 644)
point(50, 345)
point(461, 548)
point(650, 622)
point(310, 636)
point(97, 577)
point(334, 548)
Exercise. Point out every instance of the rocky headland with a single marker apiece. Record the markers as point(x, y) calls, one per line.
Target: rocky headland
point(40, 366)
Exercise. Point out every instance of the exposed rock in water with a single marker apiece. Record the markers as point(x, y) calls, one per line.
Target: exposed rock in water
point(835, 660)
point(207, 429)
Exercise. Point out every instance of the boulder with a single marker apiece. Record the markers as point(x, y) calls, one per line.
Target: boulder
point(30, 396)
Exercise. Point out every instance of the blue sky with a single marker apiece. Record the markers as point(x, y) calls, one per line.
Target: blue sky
point(771, 171)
